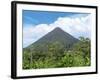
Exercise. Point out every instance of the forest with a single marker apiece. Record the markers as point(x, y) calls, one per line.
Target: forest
point(57, 55)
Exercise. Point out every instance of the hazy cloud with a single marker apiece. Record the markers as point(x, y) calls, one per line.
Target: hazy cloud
point(76, 26)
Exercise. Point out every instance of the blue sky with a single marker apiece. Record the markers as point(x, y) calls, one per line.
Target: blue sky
point(42, 17)
point(38, 23)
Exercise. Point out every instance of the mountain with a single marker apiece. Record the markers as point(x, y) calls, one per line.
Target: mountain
point(55, 36)
point(56, 49)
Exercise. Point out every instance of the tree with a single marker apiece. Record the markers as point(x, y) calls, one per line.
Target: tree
point(58, 55)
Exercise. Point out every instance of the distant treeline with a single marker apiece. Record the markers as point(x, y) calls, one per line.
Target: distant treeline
point(55, 55)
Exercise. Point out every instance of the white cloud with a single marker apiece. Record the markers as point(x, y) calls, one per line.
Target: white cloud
point(77, 26)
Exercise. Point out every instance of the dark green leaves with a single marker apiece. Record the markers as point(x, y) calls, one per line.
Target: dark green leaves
point(57, 55)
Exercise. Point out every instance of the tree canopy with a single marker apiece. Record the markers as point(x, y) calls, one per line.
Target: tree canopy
point(58, 55)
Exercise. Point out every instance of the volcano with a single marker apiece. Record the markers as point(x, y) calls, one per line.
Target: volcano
point(55, 36)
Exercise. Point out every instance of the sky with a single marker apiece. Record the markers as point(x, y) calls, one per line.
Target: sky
point(38, 23)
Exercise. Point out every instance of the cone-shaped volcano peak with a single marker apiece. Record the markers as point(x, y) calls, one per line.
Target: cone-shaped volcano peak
point(57, 29)
point(56, 35)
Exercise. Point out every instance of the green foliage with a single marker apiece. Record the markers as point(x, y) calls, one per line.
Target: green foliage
point(57, 55)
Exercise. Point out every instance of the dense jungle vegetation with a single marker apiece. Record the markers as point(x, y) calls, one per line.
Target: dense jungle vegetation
point(55, 55)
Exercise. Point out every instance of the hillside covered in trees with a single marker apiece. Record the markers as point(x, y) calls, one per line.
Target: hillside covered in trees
point(57, 49)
